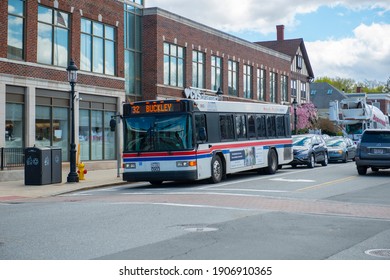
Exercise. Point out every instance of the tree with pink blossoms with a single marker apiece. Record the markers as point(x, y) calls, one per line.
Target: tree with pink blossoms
point(306, 117)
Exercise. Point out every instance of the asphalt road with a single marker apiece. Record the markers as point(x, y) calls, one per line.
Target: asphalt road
point(297, 214)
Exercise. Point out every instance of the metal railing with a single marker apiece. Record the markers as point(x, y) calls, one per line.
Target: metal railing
point(11, 157)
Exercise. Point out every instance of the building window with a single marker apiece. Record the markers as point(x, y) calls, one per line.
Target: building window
point(51, 128)
point(173, 65)
point(261, 84)
point(299, 61)
point(293, 88)
point(284, 87)
point(14, 117)
point(97, 47)
point(133, 47)
point(16, 13)
point(273, 86)
point(97, 141)
point(198, 65)
point(247, 81)
point(53, 36)
point(216, 72)
point(233, 77)
point(303, 90)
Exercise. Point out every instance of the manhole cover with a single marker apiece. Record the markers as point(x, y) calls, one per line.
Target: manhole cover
point(200, 229)
point(381, 253)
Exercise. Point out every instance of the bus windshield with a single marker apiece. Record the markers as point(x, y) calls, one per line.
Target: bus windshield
point(158, 133)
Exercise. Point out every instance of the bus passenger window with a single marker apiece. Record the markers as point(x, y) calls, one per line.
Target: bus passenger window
point(271, 126)
point(240, 126)
point(261, 128)
point(227, 128)
point(251, 126)
point(280, 126)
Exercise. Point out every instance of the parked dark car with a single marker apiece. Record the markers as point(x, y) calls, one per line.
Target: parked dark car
point(309, 149)
point(341, 149)
point(373, 151)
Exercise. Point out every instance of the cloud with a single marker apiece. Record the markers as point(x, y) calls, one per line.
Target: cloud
point(255, 15)
point(365, 56)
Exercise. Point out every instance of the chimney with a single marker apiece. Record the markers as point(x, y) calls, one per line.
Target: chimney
point(359, 89)
point(280, 32)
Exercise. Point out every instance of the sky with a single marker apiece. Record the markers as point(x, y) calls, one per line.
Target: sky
point(347, 39)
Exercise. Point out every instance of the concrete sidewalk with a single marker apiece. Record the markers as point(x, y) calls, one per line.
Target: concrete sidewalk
point(17, 190)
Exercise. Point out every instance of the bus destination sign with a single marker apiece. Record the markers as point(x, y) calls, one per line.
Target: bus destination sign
point(155, 108)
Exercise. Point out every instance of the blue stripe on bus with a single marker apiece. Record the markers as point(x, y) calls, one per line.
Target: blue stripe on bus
point(201, 156)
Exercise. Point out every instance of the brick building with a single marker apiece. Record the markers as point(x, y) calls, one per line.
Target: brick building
point(179, 54)
point(40, 38)
point(124, 52)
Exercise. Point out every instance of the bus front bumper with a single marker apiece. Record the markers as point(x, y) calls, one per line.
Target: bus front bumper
point(160, 176)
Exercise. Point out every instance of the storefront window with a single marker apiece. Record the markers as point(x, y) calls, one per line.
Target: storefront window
point(51, 128)
point(14, 125)
point(84, 134)
point(109, 138)
point(97, 135)
point(97, 141)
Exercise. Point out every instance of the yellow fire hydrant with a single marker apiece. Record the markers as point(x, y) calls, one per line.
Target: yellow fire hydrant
point(82, 171)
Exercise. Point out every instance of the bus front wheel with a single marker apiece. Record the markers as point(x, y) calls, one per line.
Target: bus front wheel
point(216, 170)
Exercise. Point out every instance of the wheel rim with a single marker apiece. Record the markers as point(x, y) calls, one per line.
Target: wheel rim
point(216, 169)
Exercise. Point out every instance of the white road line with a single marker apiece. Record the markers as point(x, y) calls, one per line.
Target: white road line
point(293, 180)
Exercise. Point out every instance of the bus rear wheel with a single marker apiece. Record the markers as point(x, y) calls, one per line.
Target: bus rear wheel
point(216, 170)
point(156, 183)
point(272, 162)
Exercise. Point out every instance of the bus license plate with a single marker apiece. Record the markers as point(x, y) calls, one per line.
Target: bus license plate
point(155, 167)
point(378, 151)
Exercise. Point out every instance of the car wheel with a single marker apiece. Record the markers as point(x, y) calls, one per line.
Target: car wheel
point(325, 161)
point(312, 161)
point(345, 159)
point(362, 170)
point(216, 170)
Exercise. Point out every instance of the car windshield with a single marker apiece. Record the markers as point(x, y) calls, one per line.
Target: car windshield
point(301, 141)
point(335, 143)
point(158, 133)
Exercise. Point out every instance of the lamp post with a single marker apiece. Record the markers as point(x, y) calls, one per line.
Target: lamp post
point(219, 93)
point(295, 104)
point(72, 79)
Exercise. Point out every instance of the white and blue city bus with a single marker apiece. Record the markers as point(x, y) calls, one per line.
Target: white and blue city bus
point(181, 140)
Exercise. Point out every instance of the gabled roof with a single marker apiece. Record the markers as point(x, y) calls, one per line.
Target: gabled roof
point(322, 93)
point(290, 47)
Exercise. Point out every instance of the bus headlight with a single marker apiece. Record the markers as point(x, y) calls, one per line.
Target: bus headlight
point(185, 163)
point(130, 165)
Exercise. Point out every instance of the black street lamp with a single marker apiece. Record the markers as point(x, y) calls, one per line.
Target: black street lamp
point(72, 79)
point(295, 104)
point(219, 94)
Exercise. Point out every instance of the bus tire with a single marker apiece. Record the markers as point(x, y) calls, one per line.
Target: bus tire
point(156, 183)
point(216, 170)
point(272, 162)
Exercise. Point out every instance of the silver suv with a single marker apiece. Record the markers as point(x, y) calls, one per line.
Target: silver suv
point(373, 150)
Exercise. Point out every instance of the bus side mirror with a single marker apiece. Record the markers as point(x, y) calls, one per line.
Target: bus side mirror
point(202, 134)
point(112, 124)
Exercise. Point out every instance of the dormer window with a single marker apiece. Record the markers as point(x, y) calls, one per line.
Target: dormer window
point(299, 61)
